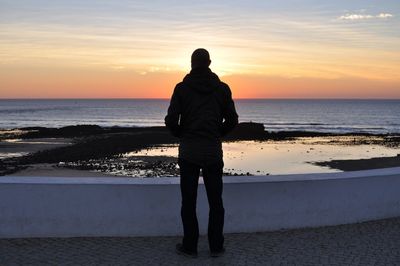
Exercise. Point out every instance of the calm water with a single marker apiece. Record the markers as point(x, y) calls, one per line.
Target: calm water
point(280, 157)
point(375, 116)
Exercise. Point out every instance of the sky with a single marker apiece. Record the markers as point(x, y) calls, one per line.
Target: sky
point(141, 49)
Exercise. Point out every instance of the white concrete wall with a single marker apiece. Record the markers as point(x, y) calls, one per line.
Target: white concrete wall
point(66, 207)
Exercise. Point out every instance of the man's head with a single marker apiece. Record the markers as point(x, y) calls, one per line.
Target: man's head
point(200, 58)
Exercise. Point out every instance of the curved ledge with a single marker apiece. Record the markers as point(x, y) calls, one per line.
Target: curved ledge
point(66, 206)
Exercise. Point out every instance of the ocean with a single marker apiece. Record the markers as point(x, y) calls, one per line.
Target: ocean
point(336, 116)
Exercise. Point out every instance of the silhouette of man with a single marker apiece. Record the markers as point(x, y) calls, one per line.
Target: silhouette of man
point(201, 111)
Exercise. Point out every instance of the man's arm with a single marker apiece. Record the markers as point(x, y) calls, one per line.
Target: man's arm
point(174, 111)
point(229, 114)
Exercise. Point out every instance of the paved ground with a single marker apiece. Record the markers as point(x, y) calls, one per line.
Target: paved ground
point(370, 243)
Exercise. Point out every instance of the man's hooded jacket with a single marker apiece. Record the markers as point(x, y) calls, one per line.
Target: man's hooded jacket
point(200, 113)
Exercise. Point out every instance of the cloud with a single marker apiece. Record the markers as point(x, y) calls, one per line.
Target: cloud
point(384, 15)
point(364, 16)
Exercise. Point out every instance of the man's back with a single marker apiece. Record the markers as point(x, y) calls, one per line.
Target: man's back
point(200, 113)
point(204, 102)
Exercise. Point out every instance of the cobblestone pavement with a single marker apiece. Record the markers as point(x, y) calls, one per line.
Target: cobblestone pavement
point(370, 243)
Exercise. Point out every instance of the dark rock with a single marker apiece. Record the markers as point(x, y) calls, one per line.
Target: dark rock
point(63, 132)
point(247, 131)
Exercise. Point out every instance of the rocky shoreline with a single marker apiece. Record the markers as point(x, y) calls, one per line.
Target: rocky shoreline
point(92, 147)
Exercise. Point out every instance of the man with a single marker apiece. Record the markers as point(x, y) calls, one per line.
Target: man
point(201, 111)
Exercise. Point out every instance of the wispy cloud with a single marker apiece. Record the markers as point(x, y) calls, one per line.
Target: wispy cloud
point(353, 16)
point(384, 15)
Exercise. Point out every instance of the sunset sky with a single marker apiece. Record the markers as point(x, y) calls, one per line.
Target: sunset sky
point(141, 49)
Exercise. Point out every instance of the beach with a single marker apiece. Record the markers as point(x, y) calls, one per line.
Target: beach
point(91, 150)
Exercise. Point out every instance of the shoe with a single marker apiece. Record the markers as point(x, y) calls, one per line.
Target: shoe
point(216, 254)
point(180, 250)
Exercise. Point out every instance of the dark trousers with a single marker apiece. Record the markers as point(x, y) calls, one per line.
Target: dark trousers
point(212, 176)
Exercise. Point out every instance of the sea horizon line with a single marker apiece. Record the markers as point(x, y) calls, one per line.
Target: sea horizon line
point(160, 98)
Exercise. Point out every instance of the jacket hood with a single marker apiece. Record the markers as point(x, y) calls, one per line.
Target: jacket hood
point(202, 80)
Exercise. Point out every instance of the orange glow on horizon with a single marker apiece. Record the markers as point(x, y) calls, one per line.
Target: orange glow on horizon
point(125, 84)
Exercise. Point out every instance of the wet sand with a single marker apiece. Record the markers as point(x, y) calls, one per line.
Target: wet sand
point(53, 170)
point(362, 164)
point(17, 147)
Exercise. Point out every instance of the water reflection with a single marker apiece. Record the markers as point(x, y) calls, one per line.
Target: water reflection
point(282, 157)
